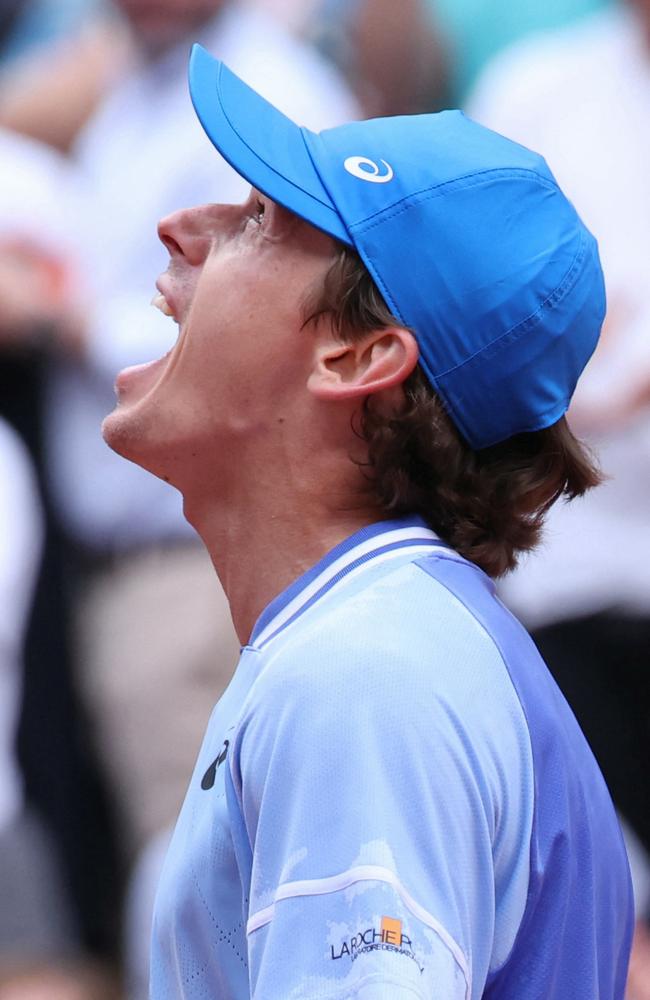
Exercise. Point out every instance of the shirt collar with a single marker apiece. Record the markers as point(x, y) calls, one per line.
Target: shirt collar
point(381, 541)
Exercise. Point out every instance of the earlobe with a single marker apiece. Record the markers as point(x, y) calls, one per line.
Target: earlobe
point(378, 361)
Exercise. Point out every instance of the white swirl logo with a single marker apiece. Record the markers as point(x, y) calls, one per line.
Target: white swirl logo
point(368, 170)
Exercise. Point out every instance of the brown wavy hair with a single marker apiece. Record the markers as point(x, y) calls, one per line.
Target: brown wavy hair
point(489, 504)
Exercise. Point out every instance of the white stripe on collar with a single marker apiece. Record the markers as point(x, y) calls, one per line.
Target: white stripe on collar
point(413, 539)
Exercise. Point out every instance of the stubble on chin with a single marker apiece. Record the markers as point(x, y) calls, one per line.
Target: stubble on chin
point(131, 436)
point(124, 433)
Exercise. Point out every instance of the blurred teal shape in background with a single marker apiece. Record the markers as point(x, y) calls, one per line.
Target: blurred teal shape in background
point(477, 29)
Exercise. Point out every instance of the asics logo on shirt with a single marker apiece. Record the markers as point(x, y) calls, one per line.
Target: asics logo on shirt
point(368, 170)
point(207, 782)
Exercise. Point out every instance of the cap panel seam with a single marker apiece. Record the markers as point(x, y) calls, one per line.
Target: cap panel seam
point(553, 299)
point(460, 183)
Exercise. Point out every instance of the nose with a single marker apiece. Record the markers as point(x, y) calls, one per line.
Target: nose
point(184, 236)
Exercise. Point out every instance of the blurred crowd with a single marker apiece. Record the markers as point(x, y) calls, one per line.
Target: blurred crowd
point(115, 637)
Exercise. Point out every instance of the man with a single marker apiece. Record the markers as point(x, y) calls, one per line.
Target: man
point(364, 411)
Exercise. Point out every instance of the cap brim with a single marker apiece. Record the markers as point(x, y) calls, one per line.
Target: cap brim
point(260, 143)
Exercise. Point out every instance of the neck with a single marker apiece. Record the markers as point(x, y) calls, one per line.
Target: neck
point(263, 540)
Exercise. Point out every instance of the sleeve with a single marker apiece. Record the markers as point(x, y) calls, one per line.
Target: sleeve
point(367, 813)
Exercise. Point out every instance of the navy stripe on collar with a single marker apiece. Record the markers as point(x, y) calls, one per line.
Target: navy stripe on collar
point(368, 544)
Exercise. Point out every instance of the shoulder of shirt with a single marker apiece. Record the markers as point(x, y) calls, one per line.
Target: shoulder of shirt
point(407, 625)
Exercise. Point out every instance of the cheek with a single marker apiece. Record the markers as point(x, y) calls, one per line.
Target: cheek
point(244, 358)
point(244, 330)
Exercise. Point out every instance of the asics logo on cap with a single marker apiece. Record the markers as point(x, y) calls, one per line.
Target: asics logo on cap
point(368, 170)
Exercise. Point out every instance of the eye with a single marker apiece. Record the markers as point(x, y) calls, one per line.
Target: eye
point(259, 212)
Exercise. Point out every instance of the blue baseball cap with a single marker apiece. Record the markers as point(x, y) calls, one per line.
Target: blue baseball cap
point(466, 234)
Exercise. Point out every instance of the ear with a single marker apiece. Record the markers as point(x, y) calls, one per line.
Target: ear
point(378, 361)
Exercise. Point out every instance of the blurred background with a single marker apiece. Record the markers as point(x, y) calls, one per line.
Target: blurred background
point(115, 638)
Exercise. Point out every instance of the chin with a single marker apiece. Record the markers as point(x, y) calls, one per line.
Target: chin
point(118, 434)
point(132, 436)
point(125, 433)
point(133, 428)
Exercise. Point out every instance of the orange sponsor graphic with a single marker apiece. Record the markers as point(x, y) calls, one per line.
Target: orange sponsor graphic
point(391, 930)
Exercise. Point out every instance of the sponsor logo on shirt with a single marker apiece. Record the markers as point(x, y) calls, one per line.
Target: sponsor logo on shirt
point(389, 936)
point(208, 779)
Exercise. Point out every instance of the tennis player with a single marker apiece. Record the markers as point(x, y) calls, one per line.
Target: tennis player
point(364, 413)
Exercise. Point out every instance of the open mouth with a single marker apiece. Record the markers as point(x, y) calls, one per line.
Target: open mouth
point(136, 373)
point(160, 302)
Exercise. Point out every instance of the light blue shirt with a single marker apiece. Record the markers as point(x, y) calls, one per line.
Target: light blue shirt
point(393, 801)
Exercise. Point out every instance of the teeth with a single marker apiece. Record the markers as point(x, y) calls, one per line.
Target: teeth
point(160, 302)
